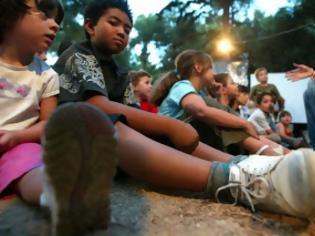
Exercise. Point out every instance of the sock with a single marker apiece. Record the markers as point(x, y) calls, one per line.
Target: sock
point(43, 200)
point(219, 176)
point(279, 150)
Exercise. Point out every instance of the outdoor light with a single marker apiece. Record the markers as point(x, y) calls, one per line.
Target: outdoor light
point(224, 46)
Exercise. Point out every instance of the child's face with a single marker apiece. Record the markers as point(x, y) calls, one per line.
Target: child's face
point(231, 88)
point(267, 104)
point(286, 120)
point(243, 98)
point(111, 33)
point(262, 76)
point(143, 88)
point(35, 31)
point(207, 77)
point(216, 88)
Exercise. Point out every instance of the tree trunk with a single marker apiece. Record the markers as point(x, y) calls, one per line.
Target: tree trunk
point(226, 5)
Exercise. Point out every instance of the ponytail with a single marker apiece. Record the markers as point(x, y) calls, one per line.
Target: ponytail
point(162, 87)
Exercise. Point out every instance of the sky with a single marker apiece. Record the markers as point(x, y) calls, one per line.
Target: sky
point(269, 7)
point(138, 7)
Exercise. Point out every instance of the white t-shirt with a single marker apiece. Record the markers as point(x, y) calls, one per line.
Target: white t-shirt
point(258, 119)
point(21, 91)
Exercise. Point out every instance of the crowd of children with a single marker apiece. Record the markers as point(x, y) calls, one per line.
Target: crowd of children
point(65, 158)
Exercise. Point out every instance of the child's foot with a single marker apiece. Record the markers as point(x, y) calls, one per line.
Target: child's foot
point(282, 184)
point(80, 161)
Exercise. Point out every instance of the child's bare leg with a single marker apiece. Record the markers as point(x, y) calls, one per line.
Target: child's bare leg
point(253, 145)
point(159, 164)
point(208, 153)
point(30, 186)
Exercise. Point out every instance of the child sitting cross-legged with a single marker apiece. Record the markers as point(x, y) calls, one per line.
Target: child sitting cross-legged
point(286, 132)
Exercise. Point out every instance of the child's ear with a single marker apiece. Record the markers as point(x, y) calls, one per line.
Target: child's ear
point(89, 27)
point(198, 68)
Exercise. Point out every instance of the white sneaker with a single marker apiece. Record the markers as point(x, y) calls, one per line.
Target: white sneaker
point(281, 184)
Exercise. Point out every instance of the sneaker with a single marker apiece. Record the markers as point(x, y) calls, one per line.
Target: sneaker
point(80, 162)
point(281, 184)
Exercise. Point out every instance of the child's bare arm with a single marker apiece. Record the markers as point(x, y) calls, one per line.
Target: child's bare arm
point(34, 133)
point(9, 139)
point(281, 131)
point(195, 105)
point(182, 135)
point(281, 102)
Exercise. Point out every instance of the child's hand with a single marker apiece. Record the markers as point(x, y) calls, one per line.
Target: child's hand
point(8, 139)
point(250, 130)
point(184, 137)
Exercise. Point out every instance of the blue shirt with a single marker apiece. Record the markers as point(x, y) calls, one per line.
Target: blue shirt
point(171, 105)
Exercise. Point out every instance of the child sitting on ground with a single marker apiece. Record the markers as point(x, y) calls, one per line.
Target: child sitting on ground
point(88, 73)
point(141, 86)
point(173, 91)
point(286, 133)
point(263, 118)
point(261, 75)
point(241, 101)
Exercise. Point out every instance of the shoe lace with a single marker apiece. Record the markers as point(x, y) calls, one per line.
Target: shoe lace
point(246, 190)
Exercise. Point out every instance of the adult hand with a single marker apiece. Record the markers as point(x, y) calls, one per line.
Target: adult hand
point(300, 72)
point(8, 139)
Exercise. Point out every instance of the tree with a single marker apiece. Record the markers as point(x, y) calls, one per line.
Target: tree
point(229, 7)
point(277, 41)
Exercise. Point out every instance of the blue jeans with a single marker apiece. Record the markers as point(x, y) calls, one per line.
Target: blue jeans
point(309, 102)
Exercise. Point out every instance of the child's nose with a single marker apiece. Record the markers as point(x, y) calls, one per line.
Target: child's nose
point(121, 31)
point(53, 25)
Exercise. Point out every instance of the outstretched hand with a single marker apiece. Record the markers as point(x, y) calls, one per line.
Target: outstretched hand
point(300, 72)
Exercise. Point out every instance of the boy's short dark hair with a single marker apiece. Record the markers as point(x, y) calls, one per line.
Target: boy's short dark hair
point(243, 89)
point(261, 96)
point(135, 76)
point(96, 8)
point(11, 11)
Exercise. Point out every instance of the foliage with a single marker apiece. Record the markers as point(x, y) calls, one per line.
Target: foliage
point(184, 24)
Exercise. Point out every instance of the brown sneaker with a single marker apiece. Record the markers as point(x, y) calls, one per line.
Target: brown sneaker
point(80, 162)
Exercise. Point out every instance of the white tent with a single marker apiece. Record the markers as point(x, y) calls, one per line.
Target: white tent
point(292, 92)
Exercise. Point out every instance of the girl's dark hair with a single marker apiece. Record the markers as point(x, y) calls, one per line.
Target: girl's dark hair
point(221, 78)
point(184, 63)
point(96, 8)
point(49, 7)
point(11, 11)
point(283, 114)
point(261, 96)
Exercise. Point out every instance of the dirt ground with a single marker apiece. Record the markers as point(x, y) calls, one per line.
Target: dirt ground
point(140, 210)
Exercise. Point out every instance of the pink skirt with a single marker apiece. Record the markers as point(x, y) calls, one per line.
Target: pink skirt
point(18, 161)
